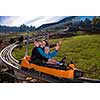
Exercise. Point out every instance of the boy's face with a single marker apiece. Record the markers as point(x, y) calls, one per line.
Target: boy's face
point(43, 43)
point(40, 43)
point(46, 49)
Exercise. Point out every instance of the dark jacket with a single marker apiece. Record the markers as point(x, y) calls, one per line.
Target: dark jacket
point(36, 55)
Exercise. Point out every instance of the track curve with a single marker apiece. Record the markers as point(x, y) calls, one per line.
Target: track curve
point(7, 58)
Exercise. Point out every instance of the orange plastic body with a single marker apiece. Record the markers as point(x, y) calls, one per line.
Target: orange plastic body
point(47, 70)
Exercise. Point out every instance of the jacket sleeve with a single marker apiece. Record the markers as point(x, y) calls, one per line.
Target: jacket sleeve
point(53, 54)
point(42, 53)
point(38, 55)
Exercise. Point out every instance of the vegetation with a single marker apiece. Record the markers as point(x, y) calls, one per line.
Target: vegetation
point(84, 50)
point(22, 28)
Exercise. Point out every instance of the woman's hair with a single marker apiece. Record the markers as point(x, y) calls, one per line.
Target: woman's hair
point(36, 40)
point(47, 44)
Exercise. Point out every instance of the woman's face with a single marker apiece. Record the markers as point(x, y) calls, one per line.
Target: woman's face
point(36, 44)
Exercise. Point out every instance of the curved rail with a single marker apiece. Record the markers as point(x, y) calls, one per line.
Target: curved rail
point(7, 58)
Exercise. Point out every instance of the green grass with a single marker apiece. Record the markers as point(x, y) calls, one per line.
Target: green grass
point(84, 50)
point(15, 35)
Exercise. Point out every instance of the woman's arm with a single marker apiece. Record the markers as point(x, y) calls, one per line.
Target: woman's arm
point(42, 53)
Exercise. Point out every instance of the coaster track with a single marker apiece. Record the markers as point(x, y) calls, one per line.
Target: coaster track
point(7, 58)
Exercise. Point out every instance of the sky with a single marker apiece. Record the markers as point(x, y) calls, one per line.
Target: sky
point(32, 20)
point(28, 20)
point(84, 17)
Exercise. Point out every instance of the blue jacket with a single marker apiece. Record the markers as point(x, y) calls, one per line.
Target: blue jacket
point(49, 55)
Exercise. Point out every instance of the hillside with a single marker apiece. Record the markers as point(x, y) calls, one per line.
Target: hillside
point(65, 21)
point(84, 50)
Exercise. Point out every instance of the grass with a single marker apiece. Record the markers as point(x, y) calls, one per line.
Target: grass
point(84, 50)
point(15, 35)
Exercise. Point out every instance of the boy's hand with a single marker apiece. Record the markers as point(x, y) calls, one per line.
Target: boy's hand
point(57, 47)
point(59, 42)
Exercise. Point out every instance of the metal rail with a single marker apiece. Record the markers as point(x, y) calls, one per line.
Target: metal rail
point(5, 56)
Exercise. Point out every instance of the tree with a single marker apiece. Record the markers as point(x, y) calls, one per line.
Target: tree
point(23, 28)
point(96, 24)
point(81, 24)
point(87, 23)
point(96, 20)
point(32, 28)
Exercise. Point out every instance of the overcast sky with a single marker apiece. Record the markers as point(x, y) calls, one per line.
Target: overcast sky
point(28, 20)
point(32, 20)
